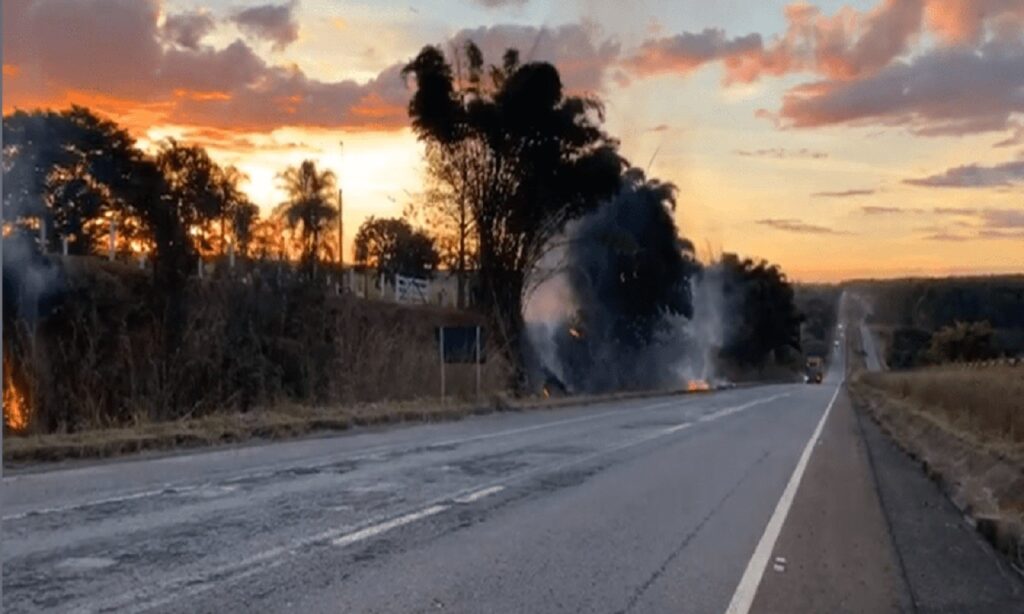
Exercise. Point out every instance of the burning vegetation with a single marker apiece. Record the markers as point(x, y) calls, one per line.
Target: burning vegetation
point(697, 385)
point(16, 408)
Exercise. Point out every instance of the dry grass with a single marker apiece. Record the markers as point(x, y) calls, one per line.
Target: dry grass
point(105, 359)
point(281, 422)
point(985, 406)
point(967, 429)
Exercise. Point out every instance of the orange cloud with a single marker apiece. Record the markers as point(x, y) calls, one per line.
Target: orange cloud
point(374, 107)
point(955, 91)
point(849, 44)
point(963, 21)
point(119, 59)
point(201, 96)
point(686, 52)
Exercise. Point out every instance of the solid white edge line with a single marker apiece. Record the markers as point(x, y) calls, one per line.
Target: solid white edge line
point(394, 523)
point(743, 598)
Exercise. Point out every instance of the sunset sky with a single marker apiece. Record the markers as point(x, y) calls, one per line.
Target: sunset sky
point(838, 139)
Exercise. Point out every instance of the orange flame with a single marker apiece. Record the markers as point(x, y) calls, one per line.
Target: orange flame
point(697, 385)
point(575, 332)
point(15, 405)
point(547, 394)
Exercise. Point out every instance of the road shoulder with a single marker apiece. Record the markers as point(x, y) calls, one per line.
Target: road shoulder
point(834, 553)
point(869, 532)
point(949, 567)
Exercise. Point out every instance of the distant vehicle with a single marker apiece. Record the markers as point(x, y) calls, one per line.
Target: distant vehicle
point(815, 370)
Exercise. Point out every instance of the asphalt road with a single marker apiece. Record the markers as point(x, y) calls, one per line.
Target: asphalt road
point(673, 504)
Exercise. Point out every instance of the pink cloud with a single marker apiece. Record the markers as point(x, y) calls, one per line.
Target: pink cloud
point(686, 52)
point(975, 176)
point(948, 91)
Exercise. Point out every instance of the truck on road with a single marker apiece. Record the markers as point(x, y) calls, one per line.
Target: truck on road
point(815, 371)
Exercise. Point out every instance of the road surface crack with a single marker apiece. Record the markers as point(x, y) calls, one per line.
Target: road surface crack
point(639, 592)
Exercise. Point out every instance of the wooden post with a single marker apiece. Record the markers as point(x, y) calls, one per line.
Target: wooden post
point(441, 350)
point(477, 362)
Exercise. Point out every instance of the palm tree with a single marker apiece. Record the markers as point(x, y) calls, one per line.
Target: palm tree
point(310, 208)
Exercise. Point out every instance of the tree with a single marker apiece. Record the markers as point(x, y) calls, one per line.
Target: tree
point(62, 168)
point(522, 158)
point(962, 342)
point(200, 191)
point(392, 247)
point(760, 301)
point(309, 209)
point(244, 217)
point(446, 211)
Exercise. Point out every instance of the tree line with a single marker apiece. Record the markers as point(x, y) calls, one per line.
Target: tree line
point(512, 162)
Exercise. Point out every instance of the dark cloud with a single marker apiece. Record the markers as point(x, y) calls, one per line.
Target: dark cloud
point(844, 193)
point(1013, 235)
point(686, 52)
point(188, 29)
point(1003, 219)
point(117, 51)
point(946, 91)
point(979, 224)
point(797, 226)
point(954, 211)
point(1015, 139)
point(947, 236)
point(968, 79)
point(975, 176)
point(780, 153)
point(875, 210)
point(106, 45)
point(270, 22)
point(118, 59)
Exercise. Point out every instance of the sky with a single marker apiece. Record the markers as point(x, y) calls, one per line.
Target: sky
point(838, 139)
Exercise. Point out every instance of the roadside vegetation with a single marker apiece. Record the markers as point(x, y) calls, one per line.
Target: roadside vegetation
point(931, 321)
point(964, 421)
point(143, 289)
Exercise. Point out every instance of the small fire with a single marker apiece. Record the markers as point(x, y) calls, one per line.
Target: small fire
point(547, 394)
point(697, 385)
point(575, 332)
point(15, 406)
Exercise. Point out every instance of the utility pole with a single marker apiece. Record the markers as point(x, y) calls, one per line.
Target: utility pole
point(341, 230)
point(341, 217)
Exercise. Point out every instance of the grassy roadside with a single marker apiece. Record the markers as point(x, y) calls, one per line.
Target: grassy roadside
point(966, 427)
point(277, 423)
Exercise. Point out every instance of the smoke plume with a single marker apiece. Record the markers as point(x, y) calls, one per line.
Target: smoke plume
point(620, 302)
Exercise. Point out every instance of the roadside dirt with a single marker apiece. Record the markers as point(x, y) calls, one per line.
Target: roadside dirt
point(986, 484)
point(268, 424)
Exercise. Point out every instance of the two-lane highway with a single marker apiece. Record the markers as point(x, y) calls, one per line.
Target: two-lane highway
point(671, 504)
point(616, 507)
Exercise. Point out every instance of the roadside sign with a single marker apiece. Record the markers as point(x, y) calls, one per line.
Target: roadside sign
point(460, 344)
